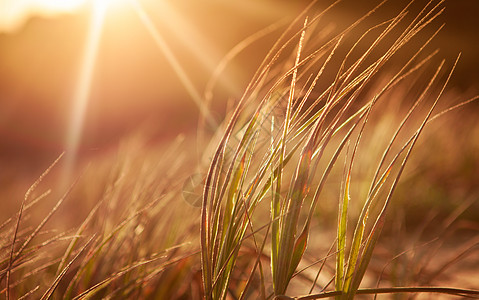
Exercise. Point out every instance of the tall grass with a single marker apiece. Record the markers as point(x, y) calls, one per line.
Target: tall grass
point(309, 160)
point(127, 243)
point(287, 128)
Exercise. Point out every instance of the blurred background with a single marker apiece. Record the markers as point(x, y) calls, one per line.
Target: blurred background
point(62, 76)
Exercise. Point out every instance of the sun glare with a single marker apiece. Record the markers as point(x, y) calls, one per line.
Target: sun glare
point(82, 91)
point(14, 13)
point(174, 63)
point(59, 5)
point(110, 4)
point(100, 11)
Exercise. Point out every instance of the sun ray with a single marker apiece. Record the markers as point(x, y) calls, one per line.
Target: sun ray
point(188, 35)
point(83, 86)
point(178, 69)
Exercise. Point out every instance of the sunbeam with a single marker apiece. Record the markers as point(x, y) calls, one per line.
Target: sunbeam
point(165, 49)
point(195, 42)
point(83, 86)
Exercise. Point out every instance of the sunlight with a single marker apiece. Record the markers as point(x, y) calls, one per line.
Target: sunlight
point(15, 13)
point(86, 73)
point(110, 4)
point(178, 69)
point(59, 5)
point(68, 5)
point(194, 41)
point(83, 87)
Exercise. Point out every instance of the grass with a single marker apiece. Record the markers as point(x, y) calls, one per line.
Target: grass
point(309, 160)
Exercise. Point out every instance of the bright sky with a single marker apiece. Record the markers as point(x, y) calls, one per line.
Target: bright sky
point(14, 13)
